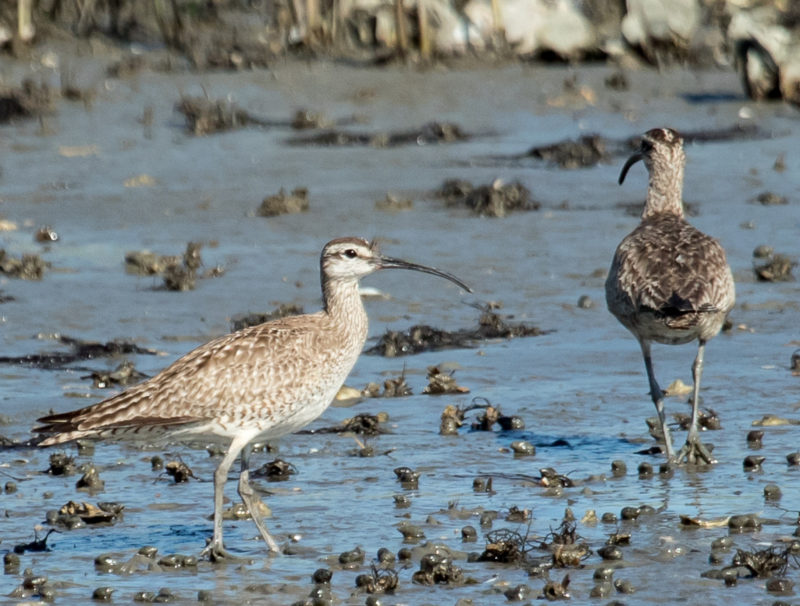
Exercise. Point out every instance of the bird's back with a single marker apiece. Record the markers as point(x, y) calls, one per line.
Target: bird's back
point(273, 378)
point(669, 282)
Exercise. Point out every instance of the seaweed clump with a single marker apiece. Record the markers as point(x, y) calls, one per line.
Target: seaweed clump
point(495, 199)
point(421, 337)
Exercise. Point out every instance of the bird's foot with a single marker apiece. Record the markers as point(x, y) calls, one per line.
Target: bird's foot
point(694, 452)
point(215, 553)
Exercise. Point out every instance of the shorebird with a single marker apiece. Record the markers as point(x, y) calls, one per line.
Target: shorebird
point(669, 282)
point(258, 383)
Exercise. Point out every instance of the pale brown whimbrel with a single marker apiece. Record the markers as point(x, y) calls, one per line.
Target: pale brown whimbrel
point(258, 383)
point(669, 282)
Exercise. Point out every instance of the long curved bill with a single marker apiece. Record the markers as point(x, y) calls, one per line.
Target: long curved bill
point(631, 161)
point(390, 263)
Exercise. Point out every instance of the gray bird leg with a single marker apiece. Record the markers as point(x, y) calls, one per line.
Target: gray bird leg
point(251, 500)
point(215, 550)
point(695, 451)
point(658, 399)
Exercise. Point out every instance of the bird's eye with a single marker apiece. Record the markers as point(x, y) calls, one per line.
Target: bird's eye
point(350, 253)
point(646, 145)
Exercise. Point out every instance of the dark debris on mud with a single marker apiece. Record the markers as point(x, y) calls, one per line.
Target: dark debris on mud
point(123, 375)
point(771, 562)
point(74, 515)
point(379, 580)
point(593, 149)
point(362, 424)
point(36, 545)
point(490, 416)
point(442, 382)
point(505, 546)
point(588, 150)
point(26, 267)
point(178, 272)
point(495, 199)
point(284, 204)
point(204, 116)
point(276, 470)
point(775, 268)
point(30, 100)
point(241, 321)
point(427, 134)
point(392, 388)
point(80, 350)
point(423, 338)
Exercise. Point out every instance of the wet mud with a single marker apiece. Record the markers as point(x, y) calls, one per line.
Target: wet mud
point(453, 498)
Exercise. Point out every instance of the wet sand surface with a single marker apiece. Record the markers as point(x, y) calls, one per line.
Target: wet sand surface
point(582, 384)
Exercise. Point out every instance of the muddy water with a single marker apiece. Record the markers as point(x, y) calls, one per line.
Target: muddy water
point(583, 383)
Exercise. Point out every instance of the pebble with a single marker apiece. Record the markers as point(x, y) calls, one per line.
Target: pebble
point(754, 437)
point(610, 552)
point(722, 543)
point(411, 532)
point(780, 586)
point(716, 558)
point(585, 302)
point(794, 362)
point(469, 534)
point(102, 594)
point(487, 518)
point(144, 596)
point(523, 448)
point(772, 492)
point(106, 563)
point(630, 513)
point(482, 485)
point(90, 480)
point(352, 558)
point(743, 523)
point(603, 573)
point(148, 551)
point(322, 576)
point(385, 556)
point(518, 593)
point(753, 462)
point(601, 590)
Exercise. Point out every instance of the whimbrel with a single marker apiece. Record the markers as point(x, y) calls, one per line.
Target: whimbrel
point(258, 383)
point(669, 282)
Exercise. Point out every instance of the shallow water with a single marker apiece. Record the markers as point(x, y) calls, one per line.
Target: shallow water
point(583, 382)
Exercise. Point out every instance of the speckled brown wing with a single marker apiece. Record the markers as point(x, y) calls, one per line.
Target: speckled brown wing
point(668, 267)
point(237, 376)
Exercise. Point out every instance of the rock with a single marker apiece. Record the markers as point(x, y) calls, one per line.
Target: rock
point(669, 24)
point(766, 45)
point(534, 26)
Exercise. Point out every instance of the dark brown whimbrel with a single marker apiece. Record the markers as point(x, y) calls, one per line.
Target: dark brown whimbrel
point(258, 383)
point(669, 282)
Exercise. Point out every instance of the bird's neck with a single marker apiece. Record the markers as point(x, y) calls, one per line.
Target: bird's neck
point(664, 193)
point(342, 303)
